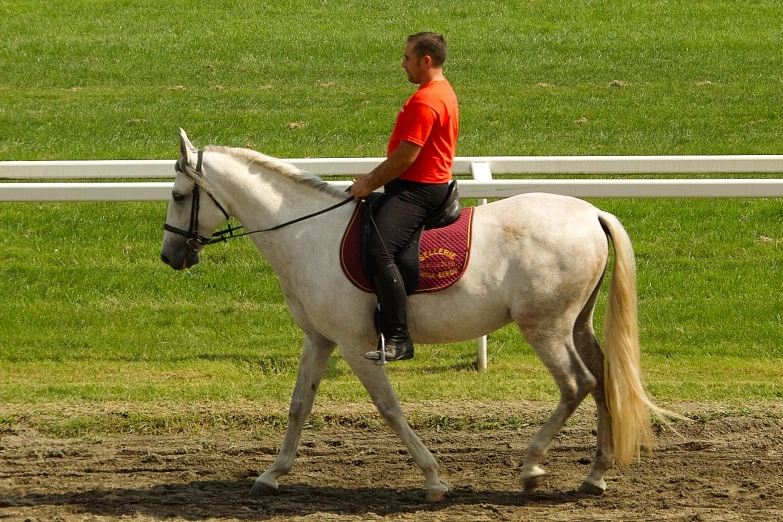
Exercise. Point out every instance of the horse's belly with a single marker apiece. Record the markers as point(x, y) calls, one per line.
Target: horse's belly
point(447, 320)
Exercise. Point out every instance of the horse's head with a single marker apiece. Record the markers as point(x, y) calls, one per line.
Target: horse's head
point(191, 218)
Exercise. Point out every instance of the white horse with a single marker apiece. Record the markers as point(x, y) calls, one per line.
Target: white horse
point(537, 260)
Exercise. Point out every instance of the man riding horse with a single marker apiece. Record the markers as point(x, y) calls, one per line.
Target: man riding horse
point(415, 177)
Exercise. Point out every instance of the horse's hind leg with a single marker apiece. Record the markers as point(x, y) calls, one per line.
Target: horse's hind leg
point(590, 351)
point(312, 363)
point(556, 350)
point(376, 382)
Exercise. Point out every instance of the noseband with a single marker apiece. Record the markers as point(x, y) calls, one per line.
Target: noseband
point(192, 234)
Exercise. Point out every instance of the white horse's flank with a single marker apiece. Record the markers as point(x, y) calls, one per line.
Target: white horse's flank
point(537, 260)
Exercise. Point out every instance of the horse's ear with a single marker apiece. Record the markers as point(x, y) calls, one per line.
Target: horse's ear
point(186, 148)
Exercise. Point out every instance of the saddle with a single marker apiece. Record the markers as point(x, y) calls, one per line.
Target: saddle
point(435, 257)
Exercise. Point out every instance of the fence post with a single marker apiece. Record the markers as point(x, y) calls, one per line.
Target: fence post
point(481, 172)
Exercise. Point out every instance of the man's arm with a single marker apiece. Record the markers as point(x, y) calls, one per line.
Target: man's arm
point(391, 168)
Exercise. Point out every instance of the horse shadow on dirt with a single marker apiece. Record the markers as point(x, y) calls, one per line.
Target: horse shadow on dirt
point(217, 499)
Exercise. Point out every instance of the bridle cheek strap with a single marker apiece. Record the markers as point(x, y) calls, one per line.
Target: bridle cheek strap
point(192, 232)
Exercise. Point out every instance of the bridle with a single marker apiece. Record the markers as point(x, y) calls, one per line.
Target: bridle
point(192, 234)
point(221, 236)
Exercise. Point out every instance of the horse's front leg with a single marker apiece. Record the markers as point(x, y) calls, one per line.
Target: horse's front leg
point(376, 382)
point(312, 363)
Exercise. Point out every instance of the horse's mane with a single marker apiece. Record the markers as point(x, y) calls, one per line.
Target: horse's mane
point(281, 167)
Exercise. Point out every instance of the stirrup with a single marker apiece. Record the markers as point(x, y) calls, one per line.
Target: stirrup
point(391, 352)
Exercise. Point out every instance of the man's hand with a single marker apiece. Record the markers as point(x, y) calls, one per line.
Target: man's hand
point(361, 187)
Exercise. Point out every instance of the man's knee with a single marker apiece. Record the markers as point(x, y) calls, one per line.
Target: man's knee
point(377, 260)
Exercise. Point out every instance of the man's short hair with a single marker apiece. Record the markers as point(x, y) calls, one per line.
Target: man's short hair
point(430, 44)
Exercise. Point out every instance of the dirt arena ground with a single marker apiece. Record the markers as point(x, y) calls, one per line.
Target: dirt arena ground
point(728, 467)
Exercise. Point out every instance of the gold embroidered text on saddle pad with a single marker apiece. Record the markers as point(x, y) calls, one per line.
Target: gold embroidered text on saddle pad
point(443, 255)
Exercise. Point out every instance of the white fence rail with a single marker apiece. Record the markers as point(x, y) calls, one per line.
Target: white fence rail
point(481, 186)
point(140, 169)
point(499, 188)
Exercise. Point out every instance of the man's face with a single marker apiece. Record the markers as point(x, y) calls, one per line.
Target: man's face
point(412, 64)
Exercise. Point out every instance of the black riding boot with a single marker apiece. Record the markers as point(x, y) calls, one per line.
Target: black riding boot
point(391, 294)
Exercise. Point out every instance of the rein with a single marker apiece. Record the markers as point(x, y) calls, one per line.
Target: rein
point(223, 236)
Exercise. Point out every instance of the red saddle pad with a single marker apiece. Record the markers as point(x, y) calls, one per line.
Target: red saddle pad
point(443, 254)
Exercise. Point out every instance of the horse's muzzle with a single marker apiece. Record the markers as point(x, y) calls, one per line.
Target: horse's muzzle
point(186, 261)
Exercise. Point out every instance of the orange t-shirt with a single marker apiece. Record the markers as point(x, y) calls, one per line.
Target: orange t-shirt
point(430, 118)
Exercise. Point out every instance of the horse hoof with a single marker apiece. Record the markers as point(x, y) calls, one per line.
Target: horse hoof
point(438, 492)
point(436, 496)
point(591, 489)
point(533, 482)
point(263, 490)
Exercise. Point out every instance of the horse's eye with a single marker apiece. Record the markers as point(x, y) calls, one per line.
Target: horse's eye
point(178, 197)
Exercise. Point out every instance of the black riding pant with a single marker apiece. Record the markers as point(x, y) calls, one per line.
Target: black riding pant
point(406, 206)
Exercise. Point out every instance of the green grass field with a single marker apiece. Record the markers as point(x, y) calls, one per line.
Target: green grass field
point(104, 79)
point(89, 315)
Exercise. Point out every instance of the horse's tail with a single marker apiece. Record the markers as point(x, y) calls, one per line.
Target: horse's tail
point(627, 400)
